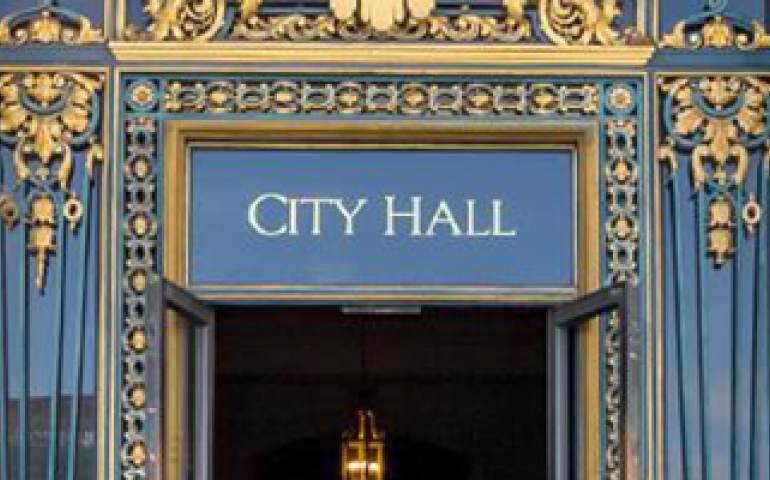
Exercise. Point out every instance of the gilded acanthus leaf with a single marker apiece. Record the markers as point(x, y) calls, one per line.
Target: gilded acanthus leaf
point(46, 116)
point(718, 120)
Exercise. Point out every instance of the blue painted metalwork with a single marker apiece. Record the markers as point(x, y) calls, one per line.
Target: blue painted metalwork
point(760, 278)
point(53, 421)
point(738, 373)
point(24, 352)
point(5, 370)
point(703, 336)
point(80, 315)
point(680, 342)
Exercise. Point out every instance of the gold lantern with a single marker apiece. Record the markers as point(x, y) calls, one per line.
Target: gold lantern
point(363, 449)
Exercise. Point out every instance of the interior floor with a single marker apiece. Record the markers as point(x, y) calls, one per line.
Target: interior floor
point(459, 393)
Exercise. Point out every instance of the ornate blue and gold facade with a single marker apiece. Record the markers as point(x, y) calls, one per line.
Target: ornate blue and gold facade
point(667, 105)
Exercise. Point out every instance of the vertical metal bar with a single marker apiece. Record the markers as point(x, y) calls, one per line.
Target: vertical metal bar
point(4, 370)
point(703, 338)
point(204, 401)
point(737, 376)
point(82, 314)
point(766, 285)
point(53, 420)
point(681, 315)
point(154, 361)
point(633, 381)
point(760, 266)
point(24, 350)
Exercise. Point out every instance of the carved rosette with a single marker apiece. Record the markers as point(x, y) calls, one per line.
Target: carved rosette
point(563, 22)
point(44, 118)
point(718, 122)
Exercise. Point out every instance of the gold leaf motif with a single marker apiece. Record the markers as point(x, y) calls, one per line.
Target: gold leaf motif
point(689, 121)
point(717, 33)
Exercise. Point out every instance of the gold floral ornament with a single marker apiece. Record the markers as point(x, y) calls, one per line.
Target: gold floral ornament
point(43, 118)
point(718, 32)
point(718, 121)
point(399, 20)
point(47, 24)
point(183, 20)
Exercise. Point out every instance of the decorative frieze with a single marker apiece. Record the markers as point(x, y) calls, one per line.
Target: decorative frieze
point(562, 22)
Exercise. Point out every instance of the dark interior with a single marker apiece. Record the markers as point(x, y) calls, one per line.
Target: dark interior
point(459, 393)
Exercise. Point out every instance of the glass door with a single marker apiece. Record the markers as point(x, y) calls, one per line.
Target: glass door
point(168, 302)
point(564, 452)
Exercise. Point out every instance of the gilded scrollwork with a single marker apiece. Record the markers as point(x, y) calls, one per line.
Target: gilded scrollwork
point(562, 22)
point(44, 118)
point(47, 24)
point(580, 22)
point(182, 20)
point(719, 122)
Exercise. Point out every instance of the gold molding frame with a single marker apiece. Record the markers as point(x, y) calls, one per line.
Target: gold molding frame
point(585, 136)
point(304, 53)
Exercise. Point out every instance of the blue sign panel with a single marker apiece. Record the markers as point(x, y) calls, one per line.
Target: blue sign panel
point(497, 220)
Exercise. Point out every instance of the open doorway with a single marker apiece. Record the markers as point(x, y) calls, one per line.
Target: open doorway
point(460, 393)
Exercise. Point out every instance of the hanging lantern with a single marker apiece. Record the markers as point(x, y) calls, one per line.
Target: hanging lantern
point(362, 449)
